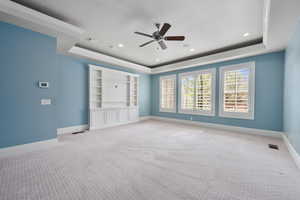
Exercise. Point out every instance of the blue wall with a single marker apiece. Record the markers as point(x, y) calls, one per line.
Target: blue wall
point(292, 91)
point(145, 95)
point(27, 57)
point(268, 94)
point(73, 92)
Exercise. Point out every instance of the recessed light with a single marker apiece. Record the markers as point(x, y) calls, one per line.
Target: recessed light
point(120, 45)
point(192, 49)
point(246, 34)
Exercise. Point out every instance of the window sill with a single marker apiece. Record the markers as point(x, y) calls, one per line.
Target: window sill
point(167, 111)
point(197, 113)
point(237, 116)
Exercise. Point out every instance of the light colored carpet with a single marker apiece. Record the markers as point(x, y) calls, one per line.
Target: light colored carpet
point(153, 160)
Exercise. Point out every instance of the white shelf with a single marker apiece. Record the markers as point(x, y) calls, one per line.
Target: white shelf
point(95, 88)
point(113, 97)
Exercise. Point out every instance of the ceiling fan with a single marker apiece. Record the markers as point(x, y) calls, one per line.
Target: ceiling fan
point(159, 36)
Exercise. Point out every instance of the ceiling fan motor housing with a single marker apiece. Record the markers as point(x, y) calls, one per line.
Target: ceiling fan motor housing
point(157, 36)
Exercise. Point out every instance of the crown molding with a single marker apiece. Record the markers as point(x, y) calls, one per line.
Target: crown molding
point(107, 59)
point(215, 58)
point(38, 19)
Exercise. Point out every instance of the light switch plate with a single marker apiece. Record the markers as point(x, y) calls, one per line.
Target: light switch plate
point(45, 101)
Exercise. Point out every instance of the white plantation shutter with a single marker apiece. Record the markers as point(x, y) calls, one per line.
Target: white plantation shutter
point(237, 96)
point(203, 92)
point(168, 93)
point(197, 92)
point(236, 91)
point(188, 92)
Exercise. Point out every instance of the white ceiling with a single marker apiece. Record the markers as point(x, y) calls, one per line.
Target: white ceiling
point(278, 22)
point(207, 24)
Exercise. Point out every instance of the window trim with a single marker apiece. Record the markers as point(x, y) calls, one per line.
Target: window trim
point(213, 97)
point(173, 77)
point(250, 114)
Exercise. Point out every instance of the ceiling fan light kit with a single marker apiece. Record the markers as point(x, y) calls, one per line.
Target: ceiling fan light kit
point(159, 36)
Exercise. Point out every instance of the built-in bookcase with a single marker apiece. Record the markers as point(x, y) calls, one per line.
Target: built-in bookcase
point(95, 89)
point(113, 97)
point(128, 90)
point(134, 91)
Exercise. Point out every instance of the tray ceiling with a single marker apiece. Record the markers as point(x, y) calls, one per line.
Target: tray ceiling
point(207, 25)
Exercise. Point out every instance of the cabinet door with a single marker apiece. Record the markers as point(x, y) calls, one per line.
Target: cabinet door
point(133, 114)
point(123, 115)
point(97, 119)
point(111, 117)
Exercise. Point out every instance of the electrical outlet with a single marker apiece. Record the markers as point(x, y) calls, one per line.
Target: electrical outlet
point(43, 84)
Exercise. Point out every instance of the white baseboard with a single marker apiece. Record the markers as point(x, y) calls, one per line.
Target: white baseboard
point(72, 129)
point(145, 118)
point(261, 132)
point(115, 124)
point(78, 128)
point(124, 123)
point(26, 148)
point(293, 152)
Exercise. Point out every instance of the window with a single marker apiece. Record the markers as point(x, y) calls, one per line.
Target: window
point(168, 93)
point(197, 92)
point(237, 86)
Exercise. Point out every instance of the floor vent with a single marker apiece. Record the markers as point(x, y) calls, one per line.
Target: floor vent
point(78, 132)
point(273, 146)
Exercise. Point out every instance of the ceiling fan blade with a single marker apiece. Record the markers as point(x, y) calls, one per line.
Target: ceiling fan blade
point(147, 43)
point(178, 38)
point(164, 29)
point(143, 34)
point(162, 44)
